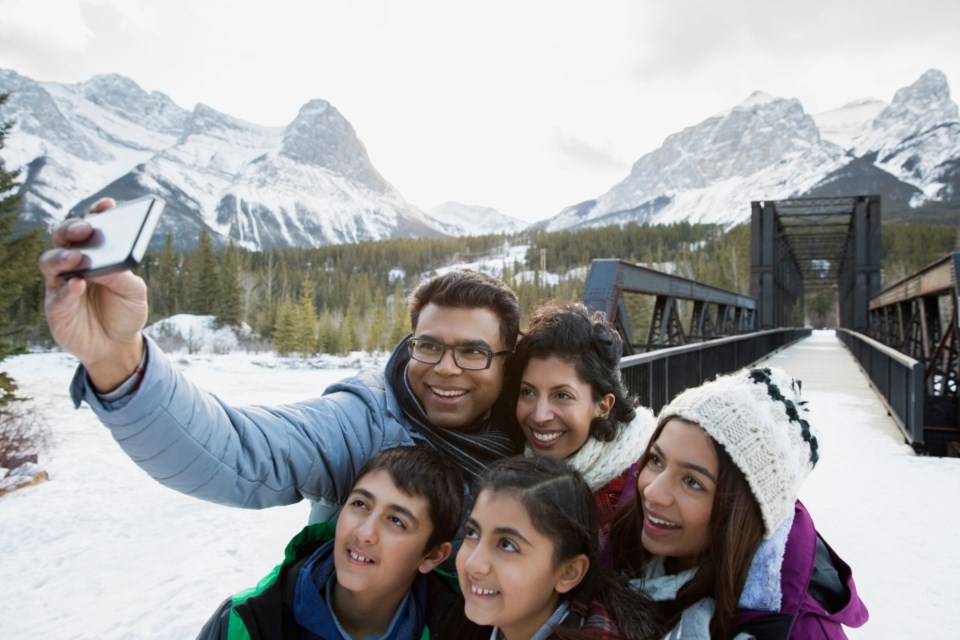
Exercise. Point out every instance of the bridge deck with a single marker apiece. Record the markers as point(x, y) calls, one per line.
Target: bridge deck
point(888, 512)
point(825, 366)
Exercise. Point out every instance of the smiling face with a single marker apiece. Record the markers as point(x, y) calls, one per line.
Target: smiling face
point(555, 407)
point(455, 398)
point(507, 569)
point(380, 543)
point(676, 489)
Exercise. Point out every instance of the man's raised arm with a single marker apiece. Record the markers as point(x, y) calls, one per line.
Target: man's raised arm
point(97, 320)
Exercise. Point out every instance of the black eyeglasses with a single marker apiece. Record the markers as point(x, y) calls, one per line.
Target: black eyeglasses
point(466, 357)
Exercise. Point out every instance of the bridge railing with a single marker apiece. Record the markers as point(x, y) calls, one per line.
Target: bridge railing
point(657, 377)
point(896, 377)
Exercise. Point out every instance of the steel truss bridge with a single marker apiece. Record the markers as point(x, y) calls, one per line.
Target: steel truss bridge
point(678, 332)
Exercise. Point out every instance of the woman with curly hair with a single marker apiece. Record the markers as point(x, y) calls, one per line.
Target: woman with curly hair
point(571, 403)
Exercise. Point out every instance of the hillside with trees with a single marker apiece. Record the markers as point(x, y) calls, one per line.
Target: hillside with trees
point(351, 297)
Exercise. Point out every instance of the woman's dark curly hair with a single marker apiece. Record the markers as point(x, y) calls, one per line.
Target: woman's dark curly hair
point(569, 331)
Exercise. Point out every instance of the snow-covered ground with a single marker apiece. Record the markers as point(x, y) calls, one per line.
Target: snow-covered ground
point(103, 551)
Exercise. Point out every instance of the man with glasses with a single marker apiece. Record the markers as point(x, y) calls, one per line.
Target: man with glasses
point(439, 388)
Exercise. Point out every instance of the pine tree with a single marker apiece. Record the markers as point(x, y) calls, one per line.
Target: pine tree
point(266, 312)
point(400, 313)
point(326, 334)
point(377, 325)
point(348, 339)
point(362, 292)
point(307, 320)
point(167, 280)
point(230, 295)
point(204, 278)
point(287, 329)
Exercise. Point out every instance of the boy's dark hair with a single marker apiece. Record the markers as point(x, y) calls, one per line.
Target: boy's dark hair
point(567, 330)
point(562, 507)
point(424, 472)
point(468, 289)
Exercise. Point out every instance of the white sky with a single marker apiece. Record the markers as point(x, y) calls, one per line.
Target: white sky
point(526, 106)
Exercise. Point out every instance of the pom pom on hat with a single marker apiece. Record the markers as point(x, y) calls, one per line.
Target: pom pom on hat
point(757, 416)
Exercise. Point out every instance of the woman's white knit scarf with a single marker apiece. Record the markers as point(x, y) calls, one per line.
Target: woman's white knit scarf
point(601, 462)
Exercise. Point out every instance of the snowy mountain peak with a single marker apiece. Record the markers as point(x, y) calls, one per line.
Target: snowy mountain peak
point(322, 137)
point(741, 142)
point(757, 98)
point(112, 82)
point(308, 184)
point(36, 113)
point(207, 121)
point(844, 125)
point(316, 108)
point(460, 219)
point(925, 102)
point(917, 138)
point(691, 175)
point(125, 98)
point(770, 148)
point(932, 87)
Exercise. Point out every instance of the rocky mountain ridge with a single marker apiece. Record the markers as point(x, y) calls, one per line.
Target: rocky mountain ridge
point(770, 148)
point(311, 183)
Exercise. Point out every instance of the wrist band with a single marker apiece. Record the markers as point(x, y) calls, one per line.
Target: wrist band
point(131, 384)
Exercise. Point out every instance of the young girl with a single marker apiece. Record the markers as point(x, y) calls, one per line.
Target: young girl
point(714, 531)
point(571, 403)
point(529, 565)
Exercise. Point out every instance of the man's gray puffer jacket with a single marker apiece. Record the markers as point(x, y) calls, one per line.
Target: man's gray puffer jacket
point(255, 456)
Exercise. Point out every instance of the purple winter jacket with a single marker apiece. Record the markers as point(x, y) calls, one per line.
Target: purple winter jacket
point(819, 594)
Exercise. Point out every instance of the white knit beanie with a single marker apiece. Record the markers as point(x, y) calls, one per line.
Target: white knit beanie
point(759, 419)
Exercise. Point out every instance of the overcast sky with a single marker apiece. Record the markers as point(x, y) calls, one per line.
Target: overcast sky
point(524, 106)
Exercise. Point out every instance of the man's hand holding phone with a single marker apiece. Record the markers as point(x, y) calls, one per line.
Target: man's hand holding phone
point(119, 238)
point(97, 318)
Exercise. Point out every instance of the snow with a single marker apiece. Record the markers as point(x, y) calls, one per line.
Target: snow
point(494, 263)
point(843, 126)
point(465, 220)
point(755, 99)
point(198, 334)
point(103, 551)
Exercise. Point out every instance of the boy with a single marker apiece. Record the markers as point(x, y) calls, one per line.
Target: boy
point(371, 575)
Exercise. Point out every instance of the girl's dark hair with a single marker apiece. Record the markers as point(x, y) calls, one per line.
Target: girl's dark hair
point(425, 473)
point(735, 532)
point(562, 507)
point(468, 289)
point(569, 331)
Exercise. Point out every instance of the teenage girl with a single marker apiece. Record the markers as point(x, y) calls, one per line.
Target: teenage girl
point(571, 402)
point(714, 532)
point(529, 562)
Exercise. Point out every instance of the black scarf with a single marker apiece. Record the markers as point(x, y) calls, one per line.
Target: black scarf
point(471, 452)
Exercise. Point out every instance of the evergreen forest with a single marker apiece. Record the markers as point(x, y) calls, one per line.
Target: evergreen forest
point(344, 298)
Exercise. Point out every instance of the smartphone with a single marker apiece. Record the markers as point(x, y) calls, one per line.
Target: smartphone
point(120, 237)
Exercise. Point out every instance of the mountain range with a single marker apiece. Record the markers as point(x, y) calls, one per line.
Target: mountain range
point(769, 148)
point(311, 183)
